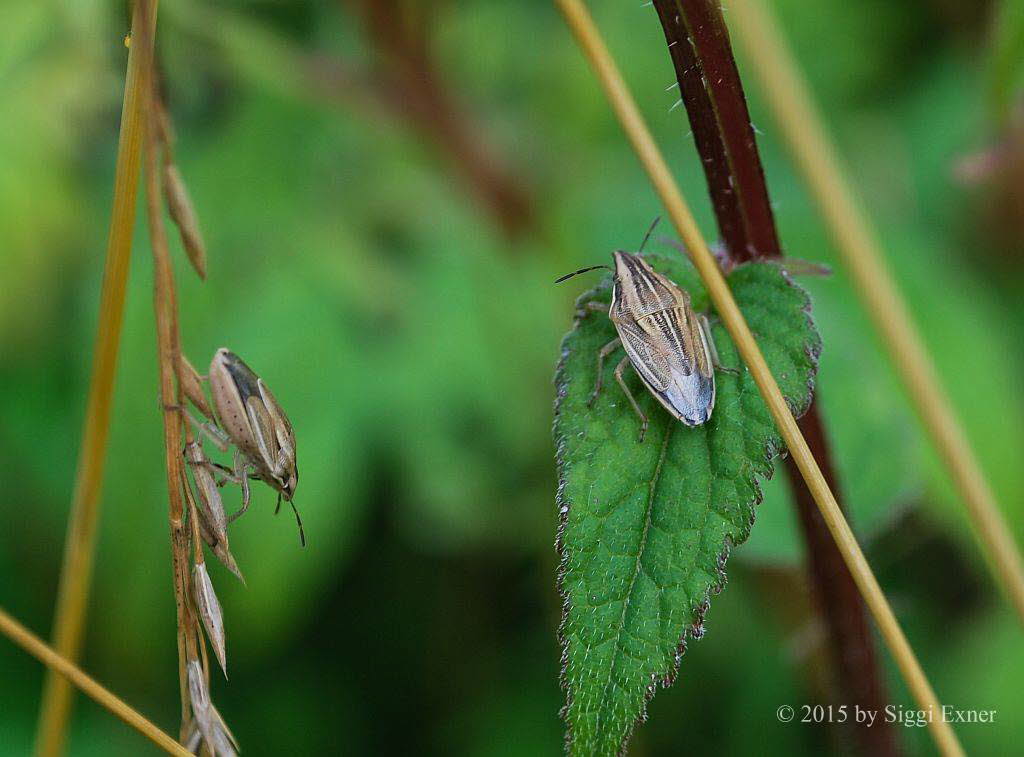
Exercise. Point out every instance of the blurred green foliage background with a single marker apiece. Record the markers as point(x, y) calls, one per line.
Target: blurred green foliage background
point(384, 222)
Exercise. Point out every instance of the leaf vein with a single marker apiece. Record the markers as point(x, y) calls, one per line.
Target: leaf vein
point(636, 570)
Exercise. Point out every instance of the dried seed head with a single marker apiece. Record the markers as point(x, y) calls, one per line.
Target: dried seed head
point(192, 386)
point(205, 717)
point(193, 739)
point(184, 215)
point(210, 612)
point(224, 742)
point(210, 502)
point(197, 691)
point(199, 695)
point(210, 510)
point(220, 549)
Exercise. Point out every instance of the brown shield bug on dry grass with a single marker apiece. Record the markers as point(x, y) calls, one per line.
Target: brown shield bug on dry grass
point(246, 414)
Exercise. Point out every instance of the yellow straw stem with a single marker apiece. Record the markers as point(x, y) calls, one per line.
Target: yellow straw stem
point(80, 543)
point(59, 665)
point(802, 127)
point(625, 108)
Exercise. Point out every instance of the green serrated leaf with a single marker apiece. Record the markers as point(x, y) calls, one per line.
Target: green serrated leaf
point(645, 528)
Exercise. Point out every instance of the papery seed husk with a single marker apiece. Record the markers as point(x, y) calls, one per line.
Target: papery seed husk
point(224, 740)
point(199, 695)
point(220, 549)
point(221, 745)
point(218, 545)
point(184, 215)
point(210, 612)
point(211, 503)
point(207, 529)
point(193, 739)
point(192, 386)
point(206, 718)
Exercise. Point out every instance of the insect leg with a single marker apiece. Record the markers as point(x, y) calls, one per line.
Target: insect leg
point(222, 472)
point(607, 350)
point(245, 504)
point(629, 395)
point(225, 474)
point(207, 428)
point(241, 474)
point(706, 325)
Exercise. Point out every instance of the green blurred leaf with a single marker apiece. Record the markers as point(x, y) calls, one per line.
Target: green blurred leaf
point(646, 528)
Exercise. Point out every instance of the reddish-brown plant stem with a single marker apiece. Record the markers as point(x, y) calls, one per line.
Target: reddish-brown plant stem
point(710, 86)
point(712, 93)
point(838, 599)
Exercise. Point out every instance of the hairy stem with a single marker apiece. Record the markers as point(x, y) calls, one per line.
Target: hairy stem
point(802, 128)
point(80, 544)
point(709, 83)
point(856, 664)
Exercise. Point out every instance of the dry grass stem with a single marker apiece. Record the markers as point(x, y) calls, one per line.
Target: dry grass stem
point(201, 724)
point(70, 672)
point(802, 127)
point(166, 307)
point(647, 151)
point(80, 543)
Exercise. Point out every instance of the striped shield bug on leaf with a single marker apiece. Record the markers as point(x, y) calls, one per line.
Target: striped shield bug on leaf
point(669, 345)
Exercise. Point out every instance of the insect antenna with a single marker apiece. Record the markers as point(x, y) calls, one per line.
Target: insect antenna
point(582, 270)
point(650, 231)
point(302, 531)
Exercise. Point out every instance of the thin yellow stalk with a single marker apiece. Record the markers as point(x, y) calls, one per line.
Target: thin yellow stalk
point(625, 108)
point(802, 127)
point(63, 667)
point(80, 543)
